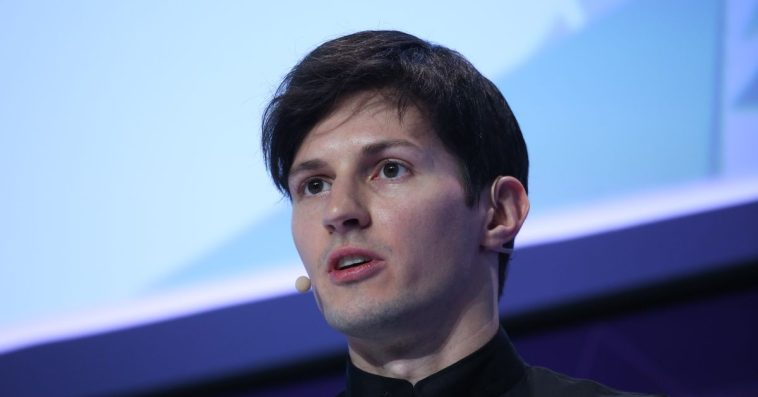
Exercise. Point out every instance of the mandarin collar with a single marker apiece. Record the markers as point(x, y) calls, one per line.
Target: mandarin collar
point(490, 371)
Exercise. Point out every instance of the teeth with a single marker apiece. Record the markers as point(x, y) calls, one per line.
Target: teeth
point(350, 261)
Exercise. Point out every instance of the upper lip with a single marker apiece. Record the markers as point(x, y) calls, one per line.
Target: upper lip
point(336, 255)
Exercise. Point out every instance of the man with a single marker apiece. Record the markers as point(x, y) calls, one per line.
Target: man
point(407, 174)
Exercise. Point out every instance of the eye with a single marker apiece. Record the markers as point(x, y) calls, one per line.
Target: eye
point(314, 186)
point(393, 169)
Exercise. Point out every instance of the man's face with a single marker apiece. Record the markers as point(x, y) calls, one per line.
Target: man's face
point(380, 220)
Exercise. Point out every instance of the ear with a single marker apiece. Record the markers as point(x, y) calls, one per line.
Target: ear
point(509, 206)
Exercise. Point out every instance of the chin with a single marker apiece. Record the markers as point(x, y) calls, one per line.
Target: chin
point(370, 320)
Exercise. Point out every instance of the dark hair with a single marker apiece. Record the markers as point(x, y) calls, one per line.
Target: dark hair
point(465, 109)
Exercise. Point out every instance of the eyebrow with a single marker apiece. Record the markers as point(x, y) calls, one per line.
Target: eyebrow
point(381, 146)
point(309, 165)
point(370, 149)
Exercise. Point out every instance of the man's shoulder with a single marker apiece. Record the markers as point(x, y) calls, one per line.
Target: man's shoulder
point(540, 381)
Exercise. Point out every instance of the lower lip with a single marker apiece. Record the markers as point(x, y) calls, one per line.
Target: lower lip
point(356, 273)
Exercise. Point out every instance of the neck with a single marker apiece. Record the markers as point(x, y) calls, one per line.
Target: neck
point(418, 353)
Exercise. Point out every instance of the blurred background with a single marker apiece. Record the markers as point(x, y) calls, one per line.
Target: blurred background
point(144, 250)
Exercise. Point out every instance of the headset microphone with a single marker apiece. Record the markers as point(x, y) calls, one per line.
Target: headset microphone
point(303, 284)
point(506, 250)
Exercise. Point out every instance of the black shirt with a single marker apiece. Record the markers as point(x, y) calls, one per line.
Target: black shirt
point(495, 370)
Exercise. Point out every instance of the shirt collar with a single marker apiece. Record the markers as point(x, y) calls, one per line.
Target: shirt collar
point(489, 371)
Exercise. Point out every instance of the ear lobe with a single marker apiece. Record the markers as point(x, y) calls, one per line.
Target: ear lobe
point(509, 206)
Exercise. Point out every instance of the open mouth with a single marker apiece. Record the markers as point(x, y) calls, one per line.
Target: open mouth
point(348, 265)
point(349, 261)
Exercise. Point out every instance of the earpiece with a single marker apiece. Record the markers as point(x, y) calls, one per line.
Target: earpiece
point(492, 191)
point(504, 249)
point(303, 284)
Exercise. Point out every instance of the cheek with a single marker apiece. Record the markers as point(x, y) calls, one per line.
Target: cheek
point(304, 236)
point(432, 228)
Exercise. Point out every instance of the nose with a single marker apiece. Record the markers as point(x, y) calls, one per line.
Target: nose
point(346, 210)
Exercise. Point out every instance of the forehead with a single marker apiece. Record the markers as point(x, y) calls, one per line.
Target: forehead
point(373, 107)
point(363, 119)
